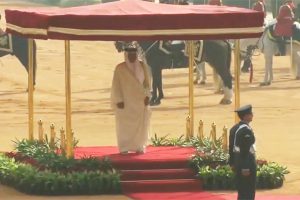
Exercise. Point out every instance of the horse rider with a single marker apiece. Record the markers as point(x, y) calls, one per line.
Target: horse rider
point(260, 6)
point(215, 2)
point(284, 26)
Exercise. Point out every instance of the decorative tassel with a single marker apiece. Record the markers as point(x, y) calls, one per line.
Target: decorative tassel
point(201, 131)
point(224, 139)
point(41, 131)
point(62, 141)
point(214, 135)
point(52, 136)
point(188, 128)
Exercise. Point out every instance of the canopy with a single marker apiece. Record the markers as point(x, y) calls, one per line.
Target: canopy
point(135, 20)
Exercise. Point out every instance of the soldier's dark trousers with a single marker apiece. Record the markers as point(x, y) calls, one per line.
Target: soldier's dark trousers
point(246, 187)
point(246, 184)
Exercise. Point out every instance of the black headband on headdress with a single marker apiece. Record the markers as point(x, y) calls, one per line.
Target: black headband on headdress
point(130, 49)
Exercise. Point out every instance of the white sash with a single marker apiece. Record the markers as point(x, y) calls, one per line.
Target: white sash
point(236, 149)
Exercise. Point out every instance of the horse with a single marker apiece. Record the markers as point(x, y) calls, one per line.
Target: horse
point(18, 47)
point(267, 44)
point(215, 52)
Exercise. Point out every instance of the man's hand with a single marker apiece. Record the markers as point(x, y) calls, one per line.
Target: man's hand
point(146, 101)
point(120, 105)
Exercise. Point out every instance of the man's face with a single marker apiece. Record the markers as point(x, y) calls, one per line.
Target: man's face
point(132, 56)
point(248, 117)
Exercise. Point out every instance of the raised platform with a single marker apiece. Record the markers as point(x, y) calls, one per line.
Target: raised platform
point(161, 173)
point(160, 169)
point(154, 158)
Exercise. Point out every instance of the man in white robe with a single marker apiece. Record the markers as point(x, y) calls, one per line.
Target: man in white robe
point(130, 94)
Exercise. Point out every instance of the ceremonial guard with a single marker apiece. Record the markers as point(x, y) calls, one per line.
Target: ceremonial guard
point(242, 154)
point(284, 25)
point(215, 2)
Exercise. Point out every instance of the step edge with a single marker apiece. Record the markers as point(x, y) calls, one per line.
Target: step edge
point(162, 169)
point(160, 180)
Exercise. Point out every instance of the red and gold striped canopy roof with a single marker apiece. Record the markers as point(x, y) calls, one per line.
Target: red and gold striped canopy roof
point(135, 20)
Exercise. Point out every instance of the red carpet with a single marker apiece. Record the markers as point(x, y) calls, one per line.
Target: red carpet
point(158, 174)
point(161, 169)
point(203, 196)
point(177, 196)
point(161, 174)
point(155, 157)
point(264, 197)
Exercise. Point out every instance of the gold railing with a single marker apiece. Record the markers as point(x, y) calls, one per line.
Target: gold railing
point(188, 128)
point(212, 134)
point(63, 139)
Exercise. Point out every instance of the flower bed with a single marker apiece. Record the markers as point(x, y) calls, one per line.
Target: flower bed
point(37, 169)
point(269, 176)
point(211, 164)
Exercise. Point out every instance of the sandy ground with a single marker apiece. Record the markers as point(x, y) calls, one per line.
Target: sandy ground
point(276, 108)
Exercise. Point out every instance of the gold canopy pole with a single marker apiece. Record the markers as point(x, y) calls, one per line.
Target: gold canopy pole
point(237, 63)
point(30, 89)
point(68, 100)
point(191, 88)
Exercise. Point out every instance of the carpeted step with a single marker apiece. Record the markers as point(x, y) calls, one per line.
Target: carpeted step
point(157, 174)
point(150, 164)
point(190, 195)
point(161, 185)
point(201, 195)
point(165, 157)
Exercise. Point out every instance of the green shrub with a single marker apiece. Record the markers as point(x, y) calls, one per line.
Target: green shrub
point(38, 168)
point(217, 178)
point(269, 176)
point(44, 157)
point(210, 161)
point(29, 179)
point(165, 141)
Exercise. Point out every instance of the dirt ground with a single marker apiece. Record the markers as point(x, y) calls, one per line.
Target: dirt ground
point(276, 107)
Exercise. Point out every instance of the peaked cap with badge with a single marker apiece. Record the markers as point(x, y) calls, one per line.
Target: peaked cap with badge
point(244, 110)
